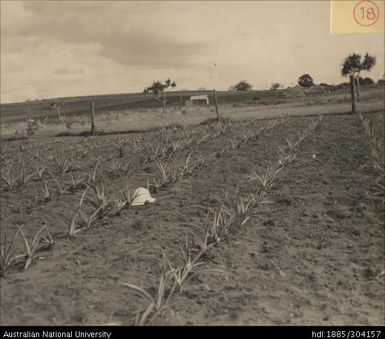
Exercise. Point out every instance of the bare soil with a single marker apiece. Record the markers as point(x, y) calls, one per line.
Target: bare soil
point(312, 253)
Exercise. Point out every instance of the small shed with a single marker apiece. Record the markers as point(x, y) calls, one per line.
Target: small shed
point(199, 99)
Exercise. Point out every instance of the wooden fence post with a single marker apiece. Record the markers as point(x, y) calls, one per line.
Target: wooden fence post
point(216, 104)
point(92, 118)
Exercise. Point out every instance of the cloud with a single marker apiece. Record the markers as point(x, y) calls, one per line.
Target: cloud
point(68, 71)
point(64, 48)
point(145, 48)
point(125, 42)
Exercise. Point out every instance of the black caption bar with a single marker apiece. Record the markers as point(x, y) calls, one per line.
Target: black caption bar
point(111, 332)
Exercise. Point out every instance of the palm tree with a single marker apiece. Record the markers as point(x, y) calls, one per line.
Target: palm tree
point(353, 65)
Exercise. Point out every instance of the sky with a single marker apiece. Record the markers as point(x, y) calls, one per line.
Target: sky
point(58, 48)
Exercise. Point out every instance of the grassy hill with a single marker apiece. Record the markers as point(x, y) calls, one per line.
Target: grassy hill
point(103, 103)
point(74, 106)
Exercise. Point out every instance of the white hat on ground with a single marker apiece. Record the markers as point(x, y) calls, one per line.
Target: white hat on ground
point(141, 196)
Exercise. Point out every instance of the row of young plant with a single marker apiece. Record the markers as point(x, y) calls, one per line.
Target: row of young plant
point(152, 146)
point(168, 172)
point(97, 212)
point(226, 221)
point(59, 163)
point(94, 208)
point(166, 146)
point(101, 208)
point(376, 144)
point(20, 167)
point(41, 240)
point(63, 164)
point(13, 256)
point(163, 151)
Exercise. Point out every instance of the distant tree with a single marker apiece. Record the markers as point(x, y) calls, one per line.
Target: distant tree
point(159, 90)
point(275, 85)
point(305, 80)
point(241, 86)
point(353, 65)
point(366, 81)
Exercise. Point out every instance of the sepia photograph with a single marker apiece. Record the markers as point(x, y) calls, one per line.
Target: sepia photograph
point(192, 163)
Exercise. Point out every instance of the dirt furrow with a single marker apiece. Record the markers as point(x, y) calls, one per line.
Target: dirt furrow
point(94, 264)
point(311, 255)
